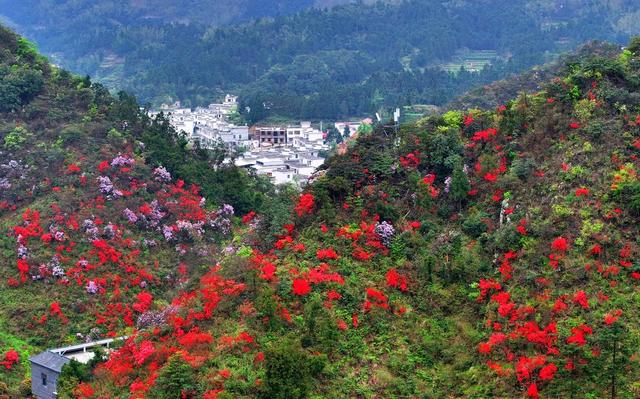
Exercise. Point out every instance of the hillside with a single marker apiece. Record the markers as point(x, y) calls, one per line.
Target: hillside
point(94, 228)
point(317, 64)
point(473, 254)
point(132, 12)
point(501, 91)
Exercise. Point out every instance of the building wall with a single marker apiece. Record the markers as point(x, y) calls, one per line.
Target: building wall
point(39, 390)
point(273, 135)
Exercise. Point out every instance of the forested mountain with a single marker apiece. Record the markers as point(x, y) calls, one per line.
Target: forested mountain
point(531, 81)
point(319, 63)
point(472, 254)
point(68, 150)
point(36, 13)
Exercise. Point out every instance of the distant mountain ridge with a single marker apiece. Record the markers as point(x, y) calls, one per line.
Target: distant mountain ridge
point(501, 91)
point(311, 63)
point(211, 13)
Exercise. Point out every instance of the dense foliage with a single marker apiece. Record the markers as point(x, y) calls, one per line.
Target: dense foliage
point(473, 254)
point(319, 64)
point(96, 220)
point(218, 13)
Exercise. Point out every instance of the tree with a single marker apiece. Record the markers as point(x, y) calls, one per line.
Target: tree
point(176, 377)
point(615, 363)
point(290, 371)
point(334, 136)
point(460, 186)
point(634, 45)
point(347, 132)
point(277, 211)
point(71, 375)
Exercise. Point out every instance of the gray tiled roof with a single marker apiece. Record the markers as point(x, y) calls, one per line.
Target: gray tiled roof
point(50, 360)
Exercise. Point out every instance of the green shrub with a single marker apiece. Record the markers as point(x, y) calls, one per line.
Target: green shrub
point(290, 371)
point(320, 330)
point(561, 211)
point(174, 378)
point(16, 138)
point(474, 225)
point(594, 130)
point(453, 119)
point(71, 134)
point(629, 194)
point(522, 168)
point(72, 374)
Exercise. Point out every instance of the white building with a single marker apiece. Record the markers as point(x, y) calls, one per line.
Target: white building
point(288, 154)
point(353, 126)
point(304, 131)
point(209, 125)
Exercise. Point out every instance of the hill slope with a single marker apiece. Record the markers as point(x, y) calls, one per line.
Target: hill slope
point(33, 13)
point(472, 254)
point(499, 92)
point(93, 228)
point(345, 61)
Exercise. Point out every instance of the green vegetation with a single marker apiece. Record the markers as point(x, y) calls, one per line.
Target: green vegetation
point(350, 60)
point(473, 254)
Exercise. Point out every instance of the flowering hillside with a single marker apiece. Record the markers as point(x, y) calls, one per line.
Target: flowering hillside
point(95, 241)
point(475, 254)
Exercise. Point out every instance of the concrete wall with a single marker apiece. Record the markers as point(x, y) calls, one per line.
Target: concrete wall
point(39, 390)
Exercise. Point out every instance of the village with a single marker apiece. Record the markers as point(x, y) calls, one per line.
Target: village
point(288, 153)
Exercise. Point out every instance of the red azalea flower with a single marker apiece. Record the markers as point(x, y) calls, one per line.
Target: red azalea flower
point(248, 217)
point(612, 317)
point(104, 165)
point(468, 119)
point(560, 244)
point(582, 191)
point(429, 179)
point(301, 287)
point(305, 204)
point(532, 391)
point(490, 177)
point(11, 357)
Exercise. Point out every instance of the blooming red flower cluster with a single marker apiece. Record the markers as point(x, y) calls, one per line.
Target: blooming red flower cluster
point(375, 298)
point(305, 204)
point(468, 119)
point(411, 160)
point(484, 135)
point(55, 310)
point(328, 253)
point(582, 192)
point(428, 181)
point(301, 287)
point(248, 217)
point(10, 358)
point(394, 279)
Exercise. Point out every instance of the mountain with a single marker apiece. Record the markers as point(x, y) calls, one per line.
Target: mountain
point(499, 92)
point(472, 254)
point(35, 13)
point(344, 61)
point(94, 222)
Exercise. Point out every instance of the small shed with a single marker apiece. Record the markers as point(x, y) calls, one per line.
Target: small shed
point(45, 369)
point(47, 366)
